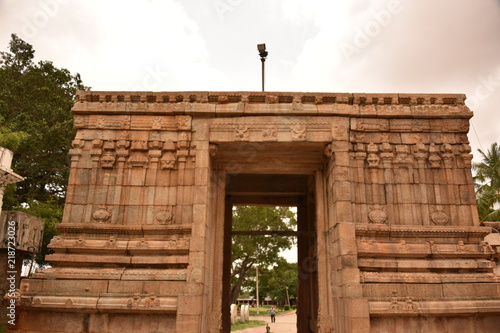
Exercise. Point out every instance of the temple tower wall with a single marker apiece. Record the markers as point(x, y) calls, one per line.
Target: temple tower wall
point(389, 199)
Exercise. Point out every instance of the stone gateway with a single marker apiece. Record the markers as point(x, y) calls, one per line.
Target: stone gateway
point(388, 233)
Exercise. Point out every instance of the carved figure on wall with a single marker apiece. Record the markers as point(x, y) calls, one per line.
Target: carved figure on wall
point(299, 132)
point(102, 214)
point(164, 216)
point(152, 301)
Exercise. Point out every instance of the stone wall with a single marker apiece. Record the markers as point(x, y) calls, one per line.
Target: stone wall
point(397, 237)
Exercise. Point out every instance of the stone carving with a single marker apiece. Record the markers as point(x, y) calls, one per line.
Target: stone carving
point(183, 123)
point(108, 160)
point(447, 156)
point(68, 303)
point(138, 158)
point(434, 158)
point(272, 99)
point(122, 146)
point(372, 159)
point(165, 216)
point(299, 132)
point(222, 99)
point(169, 158)
point(96, 149)
point(440, 218)
point(76, 151)
point(406, 306)
point(152, 301)
point(102, 214)
point(157, 123)
point(57, 241)
point(80, 242)
point(270, 133)
point(142, 243)
point(134, 301)
point(403, 157)
point(111, 242)
point(241, 132)
point(377, 215)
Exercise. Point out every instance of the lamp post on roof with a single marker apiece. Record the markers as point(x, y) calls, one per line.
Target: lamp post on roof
point(263, 55)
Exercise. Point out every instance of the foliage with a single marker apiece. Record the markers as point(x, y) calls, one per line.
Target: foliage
point(248, 324)
point(487, 182)
point(37, 124)
point(274, 283)
point(4, 327)
point(262, 250)
point(51, 213)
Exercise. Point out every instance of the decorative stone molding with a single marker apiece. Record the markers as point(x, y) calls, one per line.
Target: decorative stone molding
point(412, 231)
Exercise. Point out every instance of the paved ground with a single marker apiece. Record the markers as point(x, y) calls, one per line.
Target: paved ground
point(285, 323)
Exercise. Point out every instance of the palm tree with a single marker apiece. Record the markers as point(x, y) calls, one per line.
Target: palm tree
point(487, 183)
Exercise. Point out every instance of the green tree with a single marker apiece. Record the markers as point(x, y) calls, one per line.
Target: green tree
point(274, 281)
point(254, 249)
point(37, 124)
point(282, 276)
point(487, 183)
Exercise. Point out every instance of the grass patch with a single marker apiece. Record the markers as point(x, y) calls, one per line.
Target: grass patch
point(263, 310)
point(251, 323)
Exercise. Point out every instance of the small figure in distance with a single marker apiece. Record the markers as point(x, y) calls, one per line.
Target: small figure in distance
point(273, 314)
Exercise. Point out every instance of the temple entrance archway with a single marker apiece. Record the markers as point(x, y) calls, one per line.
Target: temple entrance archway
point(259, 182)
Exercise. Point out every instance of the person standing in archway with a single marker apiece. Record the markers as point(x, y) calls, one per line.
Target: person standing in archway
point(273, 314)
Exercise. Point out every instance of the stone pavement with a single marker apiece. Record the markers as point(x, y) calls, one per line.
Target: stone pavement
point(285, 323)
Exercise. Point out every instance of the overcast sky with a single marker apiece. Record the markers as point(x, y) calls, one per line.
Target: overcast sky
point(314, 46)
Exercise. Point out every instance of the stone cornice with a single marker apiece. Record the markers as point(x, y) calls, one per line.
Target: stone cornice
point(101, 228)
point(471, 232)
point(267, 103)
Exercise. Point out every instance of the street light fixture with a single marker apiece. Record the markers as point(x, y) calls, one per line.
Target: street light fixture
point(263, 54)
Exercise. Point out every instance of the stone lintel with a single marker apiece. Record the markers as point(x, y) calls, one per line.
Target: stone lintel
point(408, 307)
point(75, 303)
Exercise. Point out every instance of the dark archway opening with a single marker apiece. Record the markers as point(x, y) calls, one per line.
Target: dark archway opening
point(278, 190)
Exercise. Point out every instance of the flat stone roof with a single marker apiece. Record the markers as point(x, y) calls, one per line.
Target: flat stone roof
point(240, 103)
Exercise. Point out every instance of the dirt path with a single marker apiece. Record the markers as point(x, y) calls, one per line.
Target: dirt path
point(285, 323)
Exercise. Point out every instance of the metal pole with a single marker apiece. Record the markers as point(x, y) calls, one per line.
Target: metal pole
point(263, 60)
point(263, 54)
point(257, 272)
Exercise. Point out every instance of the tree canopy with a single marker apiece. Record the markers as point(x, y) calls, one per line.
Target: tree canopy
point(261, 250)
point(37, 124)
point(487, 182)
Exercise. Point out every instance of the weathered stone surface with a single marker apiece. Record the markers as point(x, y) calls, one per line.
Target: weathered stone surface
point(382, 183)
